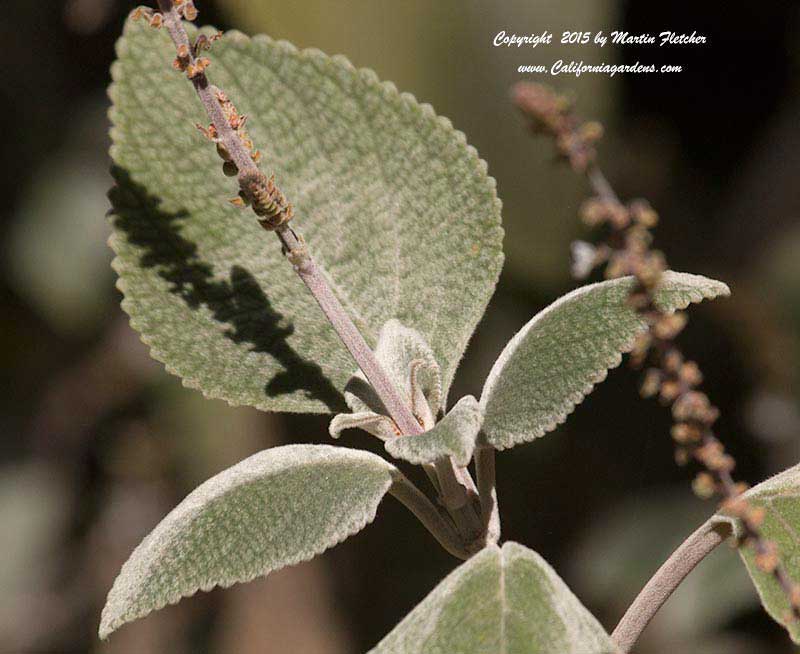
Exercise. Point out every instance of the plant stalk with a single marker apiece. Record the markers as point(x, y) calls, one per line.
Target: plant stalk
point(487, 491)
point(666, 579)
point(433, 520)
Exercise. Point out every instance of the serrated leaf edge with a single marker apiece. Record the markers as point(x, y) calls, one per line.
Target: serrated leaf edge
point(370, 77)
point(106, 629)
point(695, 295)
point(462, 458)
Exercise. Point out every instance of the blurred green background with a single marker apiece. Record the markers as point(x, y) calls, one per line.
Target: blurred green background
point(99, 442)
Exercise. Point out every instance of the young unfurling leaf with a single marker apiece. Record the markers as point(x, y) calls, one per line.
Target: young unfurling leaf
point(453, 436)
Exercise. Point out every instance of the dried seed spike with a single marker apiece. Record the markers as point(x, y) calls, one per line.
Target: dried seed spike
point(629, 245)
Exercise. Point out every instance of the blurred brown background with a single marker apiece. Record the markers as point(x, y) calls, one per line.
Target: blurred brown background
point(98, 442)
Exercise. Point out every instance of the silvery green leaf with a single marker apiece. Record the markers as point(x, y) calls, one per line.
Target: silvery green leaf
point(500, 600)
point(555, 360)
point(453, 436)
point(409, 361)
point(621, 547)
point(276, 508)
point(373, 423)
point(395, 206)
point(780, 498)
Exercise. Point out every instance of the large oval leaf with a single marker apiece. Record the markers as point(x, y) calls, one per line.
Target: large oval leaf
point(780, 498)
point(394, 204)
point(278, 507)
point(501, 600)
point(555, 360)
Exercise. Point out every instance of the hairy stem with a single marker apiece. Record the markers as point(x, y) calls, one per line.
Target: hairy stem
point(666, 579)
point(439, 526)
point(487, 491)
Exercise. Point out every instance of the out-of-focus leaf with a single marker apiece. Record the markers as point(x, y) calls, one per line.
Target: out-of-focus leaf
point(454, 436)
point(33, 510)
point(623, 547)
point(69, 285)
point(397, 208)
point(780, 498)
point(278, 507)
point(555, 360)
point(501, 600)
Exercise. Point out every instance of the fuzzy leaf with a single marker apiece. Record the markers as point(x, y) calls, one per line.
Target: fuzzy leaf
point(555, 360)
point(276, 508)
point(394, 204)
point(374, 423)
point(409, 361)
point(780, 498)
point(454, 435)
point(500, 600)
point(410, 364)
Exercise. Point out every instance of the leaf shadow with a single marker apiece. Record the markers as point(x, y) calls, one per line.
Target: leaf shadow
point(239, 302)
